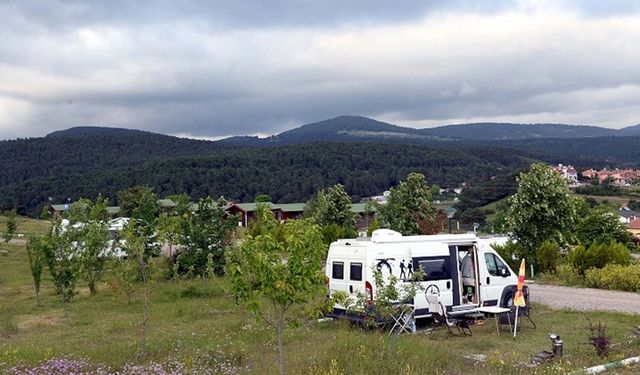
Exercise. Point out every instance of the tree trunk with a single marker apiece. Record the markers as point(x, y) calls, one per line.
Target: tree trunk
point(64, 307)
point(144, 322)
point(145, 316)
point(280, 329)
point(37, 295)
point(92, 288)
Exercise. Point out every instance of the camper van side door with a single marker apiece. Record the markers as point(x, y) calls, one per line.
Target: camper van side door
point(437, 271)
point(493, 281)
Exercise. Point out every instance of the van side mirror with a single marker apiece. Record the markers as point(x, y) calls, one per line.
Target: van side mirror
point(504, 272)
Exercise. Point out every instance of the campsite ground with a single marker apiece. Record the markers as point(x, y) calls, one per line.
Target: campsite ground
point(196, 322)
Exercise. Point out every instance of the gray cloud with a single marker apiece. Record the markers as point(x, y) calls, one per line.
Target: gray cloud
point(225, 68)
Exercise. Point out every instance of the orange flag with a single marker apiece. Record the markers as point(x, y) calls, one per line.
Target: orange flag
point(518, 300)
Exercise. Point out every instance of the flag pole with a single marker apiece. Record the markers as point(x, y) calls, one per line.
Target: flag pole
point(518, 299)
point(515, 325)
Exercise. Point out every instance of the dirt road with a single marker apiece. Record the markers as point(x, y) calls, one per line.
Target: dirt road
point(584, 299)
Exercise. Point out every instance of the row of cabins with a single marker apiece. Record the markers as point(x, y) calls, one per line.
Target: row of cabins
point(247, 211)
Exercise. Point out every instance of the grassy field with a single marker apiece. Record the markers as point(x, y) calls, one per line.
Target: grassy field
point(197, 323)
point(26, 225)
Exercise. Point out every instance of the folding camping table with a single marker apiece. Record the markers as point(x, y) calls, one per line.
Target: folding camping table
point(496, 311)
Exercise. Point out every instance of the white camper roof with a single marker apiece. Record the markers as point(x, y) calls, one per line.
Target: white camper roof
point(389, 236)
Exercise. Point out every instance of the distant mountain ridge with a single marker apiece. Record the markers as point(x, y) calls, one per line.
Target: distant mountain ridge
point(91, 131)
point(358, 128)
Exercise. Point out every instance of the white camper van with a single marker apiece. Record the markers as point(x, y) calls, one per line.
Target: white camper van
point(351, 263)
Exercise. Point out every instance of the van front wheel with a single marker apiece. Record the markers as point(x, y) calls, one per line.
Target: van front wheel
point(508, 300)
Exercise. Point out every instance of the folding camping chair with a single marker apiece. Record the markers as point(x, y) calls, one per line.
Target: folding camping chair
point(440, 314)
point(525, 311)
point(404, 319)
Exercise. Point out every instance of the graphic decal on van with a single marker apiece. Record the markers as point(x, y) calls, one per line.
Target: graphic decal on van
point(406, 271)
point(385, 262)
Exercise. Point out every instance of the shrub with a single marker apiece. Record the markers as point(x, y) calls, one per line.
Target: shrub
point(598, 337)
point(615, 277)
point(548, 256)
point(598, 256)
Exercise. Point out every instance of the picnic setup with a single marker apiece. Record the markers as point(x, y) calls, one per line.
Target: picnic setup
point(457, 281)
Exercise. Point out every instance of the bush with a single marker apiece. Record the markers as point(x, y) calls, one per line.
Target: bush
point(548, 256)
point(614, 276)
point(598, 256)
point(564, 274)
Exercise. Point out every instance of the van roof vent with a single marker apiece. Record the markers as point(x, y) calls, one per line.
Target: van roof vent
point(379, 234)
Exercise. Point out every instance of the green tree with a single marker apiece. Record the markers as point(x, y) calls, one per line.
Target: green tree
point(331, 209)
point(11, 226)
point(37, 248)
point(207, 230)
point(277, 273)
point(89, 231)
point(543, 208)
point(62, 261)
point(147, 274)
point(262, 198)
point(408, 207)
point(601, 226)
point(141, 204)
point(633, 205)
point(332, 206)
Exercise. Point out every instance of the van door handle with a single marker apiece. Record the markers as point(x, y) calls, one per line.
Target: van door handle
point(488, 280)
point(448, 284)
point(350, 288)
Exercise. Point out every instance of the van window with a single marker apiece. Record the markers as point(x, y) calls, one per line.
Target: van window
point(492, 267)
point(355, 272)
point(494, 264)
point(337, 271)
point(434, 268)
point(499, 263)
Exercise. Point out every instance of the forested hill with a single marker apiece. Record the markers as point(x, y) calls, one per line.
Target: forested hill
point(357, 128)
point(340, 129)
point(506, 131)
point(68, 153)
point(32, 170)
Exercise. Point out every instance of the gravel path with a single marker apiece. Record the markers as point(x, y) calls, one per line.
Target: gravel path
point(584, 299)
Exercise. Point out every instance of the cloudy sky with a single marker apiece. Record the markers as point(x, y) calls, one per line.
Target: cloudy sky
point(261, 67)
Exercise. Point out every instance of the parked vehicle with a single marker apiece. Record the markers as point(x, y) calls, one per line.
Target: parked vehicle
point(351, 263)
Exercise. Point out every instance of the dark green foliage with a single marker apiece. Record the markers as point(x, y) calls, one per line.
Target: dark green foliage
point(89, 231)
point(633, 205)
point(599, 255)
point(548, 256)
point(331, 209)
point(141, 204)
point(485, 192)
point(35, 169)
point(408, 209)
point(542, 209)
point(207, 230)
point(600, 225)
point(263, 198)
point(600, 189)
point(36, 253)
point(277, 272)
point(333, 232)
point(62, 261)
point(11, 227)
point(473, 215)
